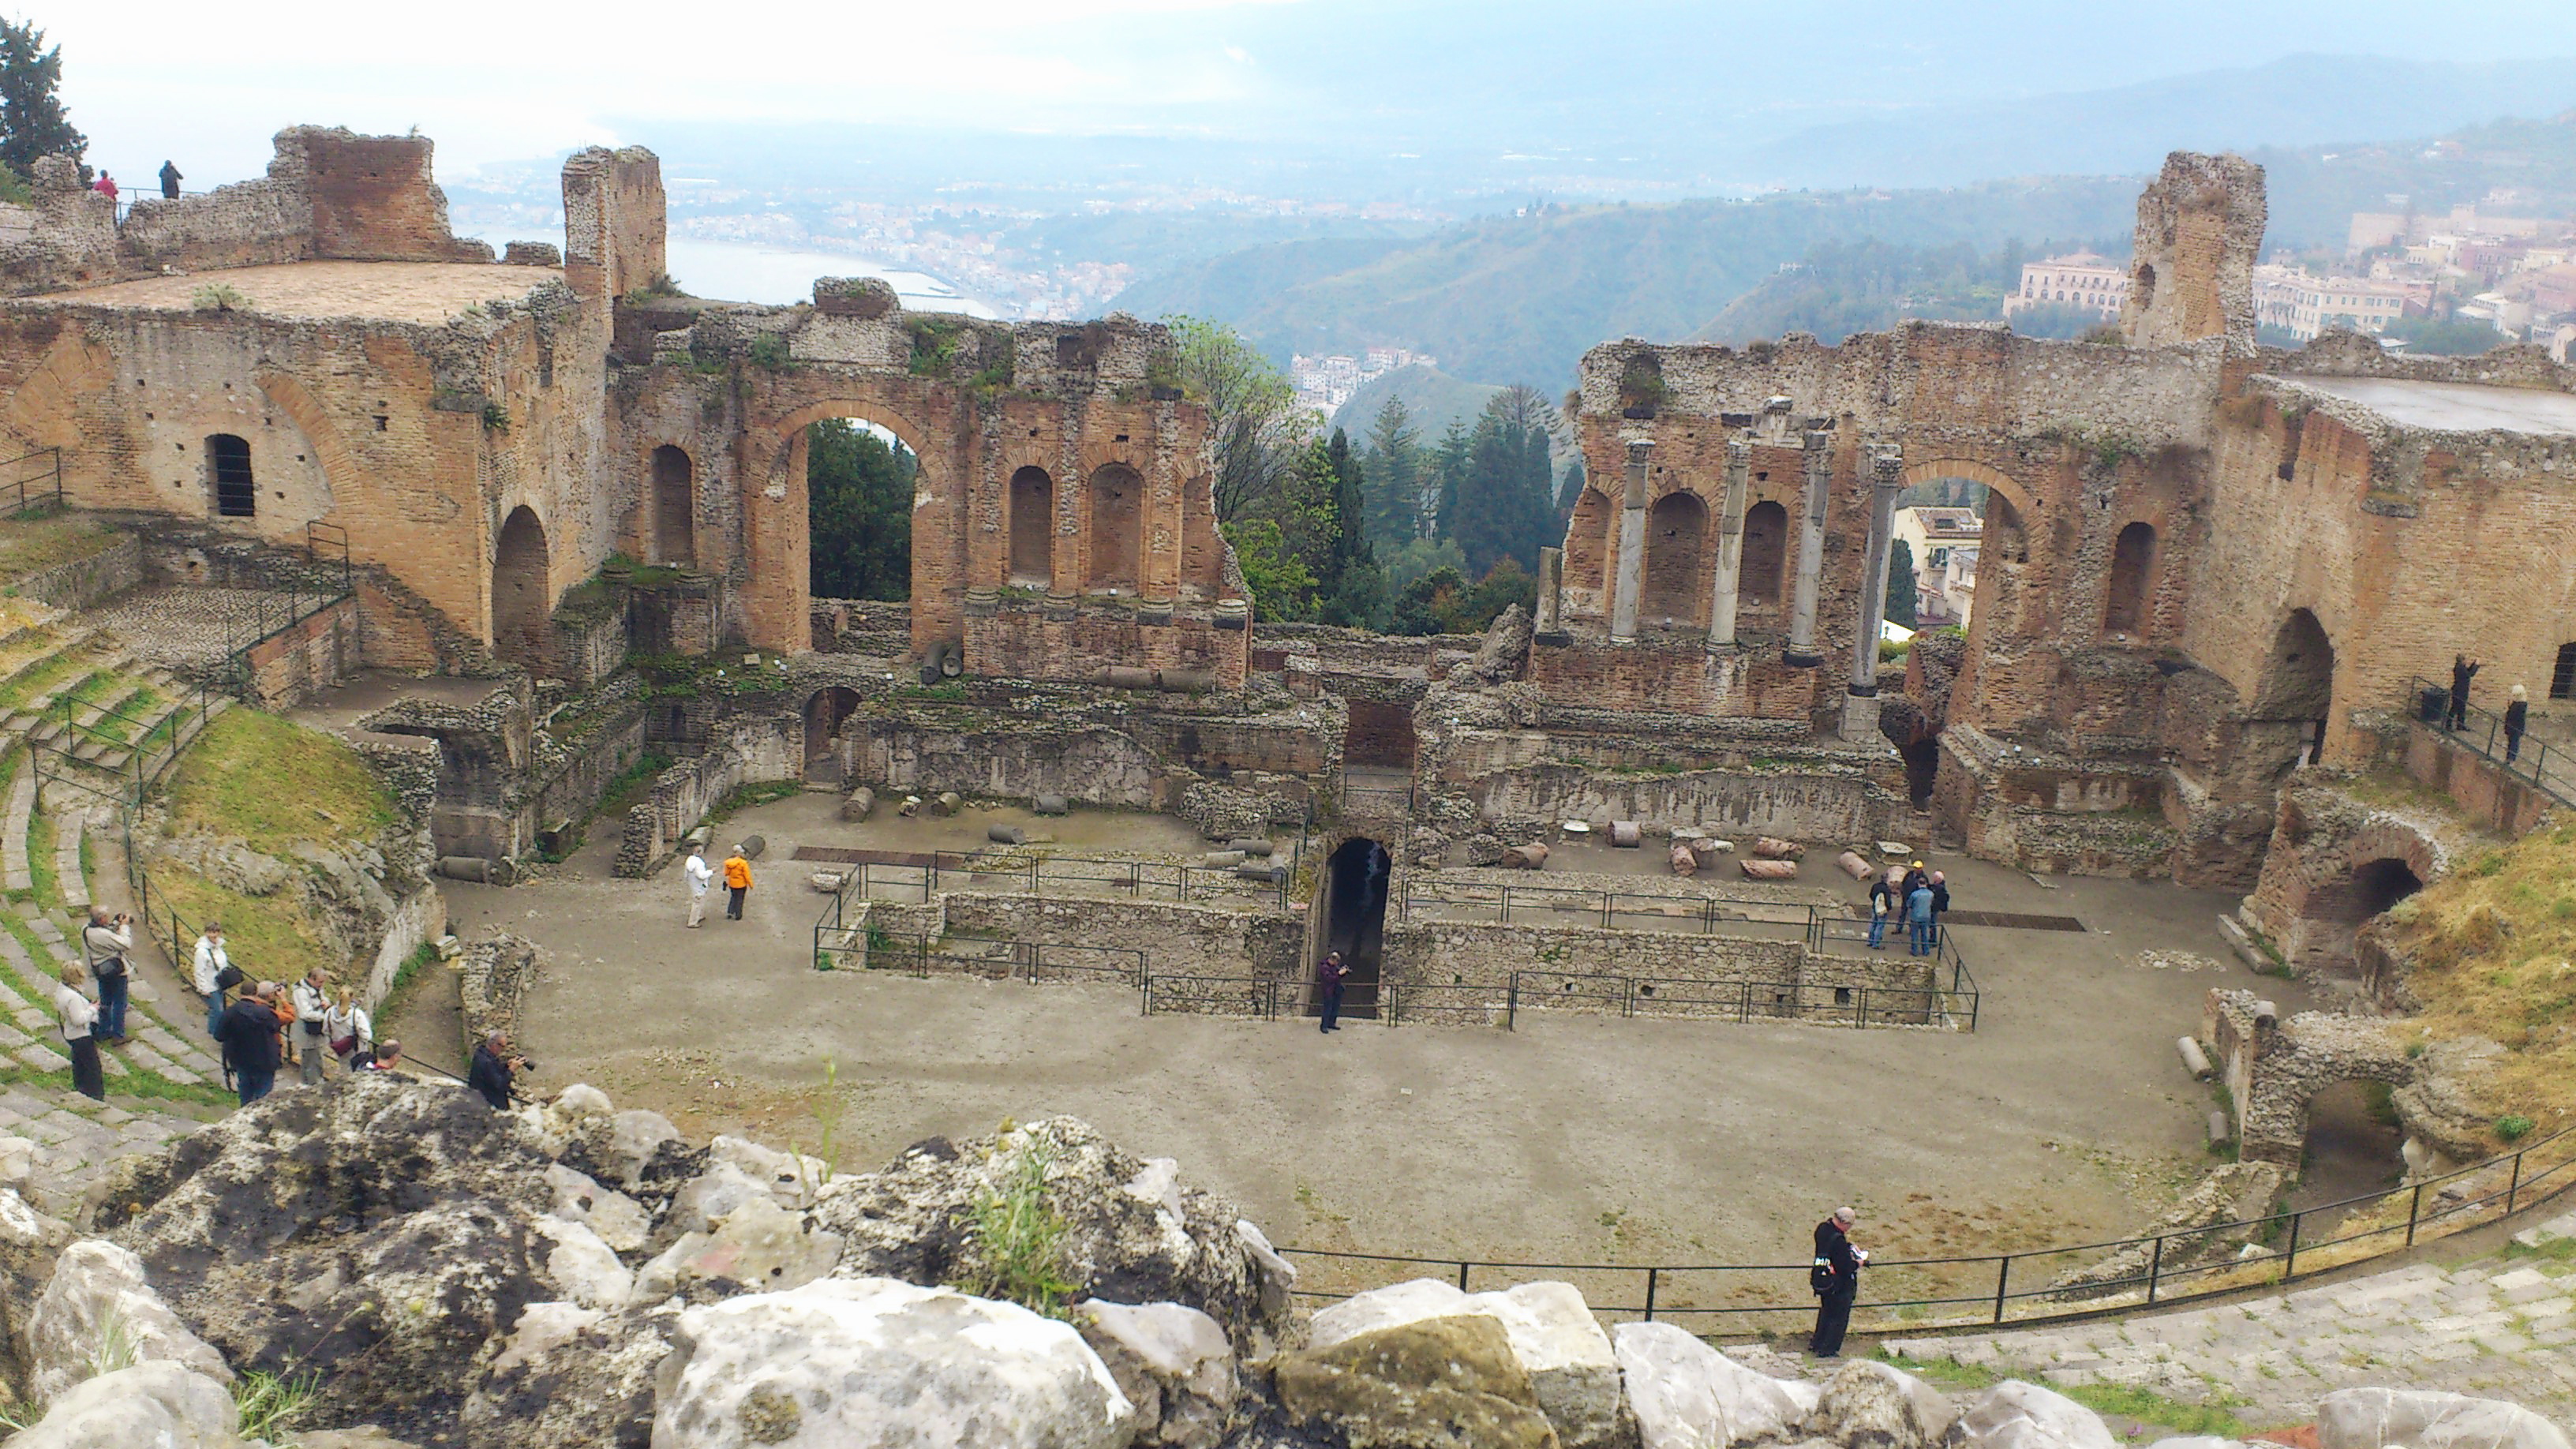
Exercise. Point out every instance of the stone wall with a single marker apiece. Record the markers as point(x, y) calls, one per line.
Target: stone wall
point(2333, 864)
point(1174, 939)
point(2482, 788)
point(315, 653)
point(83, 582)
point(740, 752)
point(607, 750)
point(1696, 975)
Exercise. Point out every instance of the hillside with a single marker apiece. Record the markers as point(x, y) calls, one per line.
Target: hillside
point(1432, 397)
point(1519, 298)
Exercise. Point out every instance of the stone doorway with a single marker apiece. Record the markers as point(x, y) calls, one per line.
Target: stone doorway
point(520, 597)
point(825, 713)
point(1350, 904)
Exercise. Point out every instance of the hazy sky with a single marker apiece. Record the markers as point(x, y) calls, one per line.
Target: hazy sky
point(208, 84)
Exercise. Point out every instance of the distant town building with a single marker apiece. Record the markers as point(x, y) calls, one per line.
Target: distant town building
point(2304, 304)
point(1325, 383)
point(1943, 543)
point(2081, 279)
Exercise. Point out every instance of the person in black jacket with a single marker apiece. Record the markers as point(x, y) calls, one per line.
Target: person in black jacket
point(250, 1042)
point(2463, 669)
point(1836, 1279)
point(493, 1067)
point(2517, 718)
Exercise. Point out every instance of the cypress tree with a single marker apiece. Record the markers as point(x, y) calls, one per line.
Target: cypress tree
point(32, 122)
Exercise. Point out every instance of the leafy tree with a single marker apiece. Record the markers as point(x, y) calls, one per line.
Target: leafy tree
point(1449, 461)
point(1901, 592)
point(32, 121)
point(1443, 602)
point(1282, 587)
point(859, 493)
point(1253, 418)
point(1394, 469)
point(2445, 336)
point(1421, 556)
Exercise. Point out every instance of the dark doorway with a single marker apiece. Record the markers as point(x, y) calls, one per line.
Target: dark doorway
point(1032, 528)
point(2297, 692)
point(1117, 523)
point(1922, 768)
point(2382, 883)
point(1765, 556)
point(2132, 563)
point(228, 467)
point(674, 507)
point(2352, 1150)
point(825, 713)
point(1676, 539)
point(520, 602)
point(2562, 680)
point(1354, 914)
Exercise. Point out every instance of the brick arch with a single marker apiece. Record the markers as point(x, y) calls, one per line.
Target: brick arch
point(879, 410)
point(329, 446)
point(1975, 472)
point(777, 524)
point(44, 411)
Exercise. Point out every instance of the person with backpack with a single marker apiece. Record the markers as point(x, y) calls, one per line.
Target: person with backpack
point(104, 942)
point(1835, 1277)
point(737, 876)
point(1882, 904)
point(207, 974)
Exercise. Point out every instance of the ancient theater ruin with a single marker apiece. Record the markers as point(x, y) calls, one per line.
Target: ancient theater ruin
point(550, 516)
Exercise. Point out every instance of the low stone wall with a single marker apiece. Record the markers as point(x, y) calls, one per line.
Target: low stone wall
point(741, 752)
point(1772, 978)
point(1840, 809)
point(1175, 939)
point(492, 978)
point(420, 918)
point(83, 582)
point(1097, 766)
point(605, 753)
point(2479, 786)
point(315, 653)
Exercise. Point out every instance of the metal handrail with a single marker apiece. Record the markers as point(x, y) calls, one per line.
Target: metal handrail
point(2526, 1186)
point(2484, 736)
point(25, 489)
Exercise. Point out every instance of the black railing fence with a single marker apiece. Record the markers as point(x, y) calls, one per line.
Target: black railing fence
point(2482, 733)
point(31, 480)
point(1924, 1294)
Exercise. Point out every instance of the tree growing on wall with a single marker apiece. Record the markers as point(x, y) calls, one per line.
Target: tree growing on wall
point(1253, 419)
point(1503, 502)
point(859, 493)
point(32, 121)
point(1283, 590)
point(1902, 595)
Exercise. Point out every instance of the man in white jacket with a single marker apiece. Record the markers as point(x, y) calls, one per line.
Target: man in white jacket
point(312, 1003)
point(208, 973)
point(700, 875)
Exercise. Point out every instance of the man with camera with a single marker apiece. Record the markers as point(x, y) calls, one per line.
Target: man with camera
point(104, 942)
point(494, 1066)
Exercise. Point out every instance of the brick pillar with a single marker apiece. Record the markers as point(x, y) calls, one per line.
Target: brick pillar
point(1725, 578)
point(1632, 545)
point(1860, 700)
point(1801, 652)
point(778, 596)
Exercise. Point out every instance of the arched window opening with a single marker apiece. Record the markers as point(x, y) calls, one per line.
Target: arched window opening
point(1117, 527)
point(1032, 528)
point(520, 598)
point(859, 481)
point(2562, 680)
point(2132, 564)
point(674, 507)
point(1676, 547)
point(228, 470)
point(1765, 559)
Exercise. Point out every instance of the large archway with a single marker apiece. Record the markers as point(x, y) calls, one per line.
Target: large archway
point(675, 504)
point(1763, 568)
point(1351, 905)
point(2294, 699)
point(1117, 529)
point(521, 599)
point(860, 481)
point(1676, 559)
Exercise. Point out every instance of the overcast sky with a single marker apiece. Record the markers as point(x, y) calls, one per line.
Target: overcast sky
point(208, 84)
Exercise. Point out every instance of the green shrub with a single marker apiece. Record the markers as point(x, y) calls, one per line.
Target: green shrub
point(2513, 1127)
point(1019, 1238)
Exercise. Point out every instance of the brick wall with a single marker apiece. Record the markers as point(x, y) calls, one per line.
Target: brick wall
point(315, 653)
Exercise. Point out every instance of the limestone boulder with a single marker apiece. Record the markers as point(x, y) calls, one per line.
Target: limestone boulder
point(619, 1220)
point(790, 1177)
point(1431, 1383)
point(914, 1220)
point(1173, 1363)
point(1686, 1394)
point(874, 1364)
point(582, 1266)
point(100, 1295)
point(568, 1377)
point(29, 1243)
point(1552, 1334)
point(709, 1198)
point(2018, 1415)
point(17, 1162)
point(2428, 1419)
point(161, 1404)
point(759, 1247)
point(2443, 1104)
point(1869, 1405)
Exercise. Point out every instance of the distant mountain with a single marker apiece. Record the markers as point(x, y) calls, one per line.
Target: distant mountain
point(2297, 101)
point(1432, 398)
point(1519, 298)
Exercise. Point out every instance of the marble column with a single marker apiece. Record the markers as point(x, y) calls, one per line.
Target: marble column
point(1632, 545)
point(1724, 580)
point(1549, 626)
point(1860, 700)
point(1801, 652)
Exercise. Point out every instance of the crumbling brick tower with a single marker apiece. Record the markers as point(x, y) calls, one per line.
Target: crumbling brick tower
point(2200, 225)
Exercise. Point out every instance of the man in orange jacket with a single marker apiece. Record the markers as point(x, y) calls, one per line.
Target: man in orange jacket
point(737, 876)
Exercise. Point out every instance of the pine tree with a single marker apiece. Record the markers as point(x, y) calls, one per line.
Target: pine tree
point(1447, 475)
point(32, 122)
point(1901, 598)
point(1351, 589)
point(1394, 476)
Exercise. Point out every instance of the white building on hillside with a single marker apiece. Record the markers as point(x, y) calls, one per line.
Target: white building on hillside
point(2304, 304)
point(2080, 279)
point(1943, 543)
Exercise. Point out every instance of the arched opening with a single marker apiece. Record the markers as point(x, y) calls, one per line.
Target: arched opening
point(2297, 692)
point(520, 596)
point(825, 712)
point(1352, 905)
point(1117, 528)
point(2142, 285)
point(1676, 550)
point(2562, 678)
point(2330, 917)
point(2382, 883)
point(674, 507)
point(1587, 541)
point(2353, 1149)
point(228, 477)
point(1765, 557)
point(1032, 528)
point(2133, 557)
point(858, 498)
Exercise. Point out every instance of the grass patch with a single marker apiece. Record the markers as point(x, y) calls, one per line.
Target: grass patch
point(2492, 948)
point(1019, 1238)
point(31, 545)
point(749, 795)
point(2149, 1407)
point(21, 692)
point(1947, 1372)
point(40, 860)
point(269, 1407)
point(632, 785)
point(273, 783)
point(272, 931)
point(136, 1085)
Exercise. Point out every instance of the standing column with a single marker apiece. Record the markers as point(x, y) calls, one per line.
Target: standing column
point(1801, 653)
point(1632, 546)
point(1860, 702)
point(1730, 543)
point(1550, 624)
